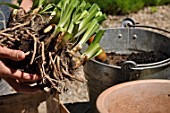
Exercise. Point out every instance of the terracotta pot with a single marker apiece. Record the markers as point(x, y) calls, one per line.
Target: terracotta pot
point(142, 96)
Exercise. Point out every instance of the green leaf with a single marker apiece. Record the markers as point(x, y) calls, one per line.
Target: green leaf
point(56, 17)
point(67, 36)
point(42, 3)
point(49, 6)
point(55, 1)
point(67, 12)
point(35, 4)
point(92, 12)
point(92, 28)
point(98, 37)
point(98, 53)
point(39, 3)
point(87, 6)
point(91, 51)
point(101, 18)
point(19, 2)
point(10, 5)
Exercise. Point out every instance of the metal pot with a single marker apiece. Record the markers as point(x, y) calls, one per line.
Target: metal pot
point(142, 96)
point(101, 76)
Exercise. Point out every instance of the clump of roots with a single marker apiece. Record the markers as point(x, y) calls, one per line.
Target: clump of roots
point(43, 56)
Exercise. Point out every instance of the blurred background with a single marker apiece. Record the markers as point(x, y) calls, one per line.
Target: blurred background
point(120, 7)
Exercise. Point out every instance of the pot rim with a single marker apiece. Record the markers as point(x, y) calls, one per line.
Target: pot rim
point(163, 63)
point(103, 95)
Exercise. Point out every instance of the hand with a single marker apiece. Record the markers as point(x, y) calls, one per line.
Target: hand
point(16, 78)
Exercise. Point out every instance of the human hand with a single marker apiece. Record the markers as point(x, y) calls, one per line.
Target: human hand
point(16, 78)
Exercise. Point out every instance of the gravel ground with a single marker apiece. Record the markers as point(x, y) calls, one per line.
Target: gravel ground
point(152, 16)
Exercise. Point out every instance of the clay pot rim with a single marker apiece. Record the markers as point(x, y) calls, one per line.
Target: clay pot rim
point(104, 94)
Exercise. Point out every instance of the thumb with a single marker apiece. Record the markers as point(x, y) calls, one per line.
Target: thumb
point(16, 55)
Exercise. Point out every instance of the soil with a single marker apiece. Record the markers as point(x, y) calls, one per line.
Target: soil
point(139, 58)
point(130, 105)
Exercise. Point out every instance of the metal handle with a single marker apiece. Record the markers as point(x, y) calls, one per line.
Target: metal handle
point(145, 26)
point(130, 66)
point(151, 67)
point(128, 22)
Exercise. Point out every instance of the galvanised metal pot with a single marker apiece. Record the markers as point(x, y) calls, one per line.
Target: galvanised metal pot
point(101, 76)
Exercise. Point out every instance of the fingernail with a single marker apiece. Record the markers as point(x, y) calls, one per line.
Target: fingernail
point(21, 55)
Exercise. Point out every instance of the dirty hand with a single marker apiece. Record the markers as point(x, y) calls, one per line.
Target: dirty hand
point(16, 78)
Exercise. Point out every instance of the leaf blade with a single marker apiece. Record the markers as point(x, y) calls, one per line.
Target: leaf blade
point(10, 5)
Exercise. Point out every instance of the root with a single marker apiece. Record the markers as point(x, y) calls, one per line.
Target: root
point(50, 59)
point(58, 66)
point(50, 80)
point(32, 20)
point(54, 66)
point(27, 53)
point(3, 39)
point(35, 46)
point(53, 85)
point(7, 35)
point(71, 76)
point(41, 71)
point(41, 18)
point(15, 27)
point(10, 43)
point(42, 52)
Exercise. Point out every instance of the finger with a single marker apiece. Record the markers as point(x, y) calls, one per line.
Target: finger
point(25, 77)
point(26, 5)
point(16, 55)
point(21, 87)
point(17, 74)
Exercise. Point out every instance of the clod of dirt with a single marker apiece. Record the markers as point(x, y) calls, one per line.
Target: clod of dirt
point(25, 33)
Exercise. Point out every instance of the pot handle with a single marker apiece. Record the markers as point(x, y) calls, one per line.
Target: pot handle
point(128, 22)
point(130, 66)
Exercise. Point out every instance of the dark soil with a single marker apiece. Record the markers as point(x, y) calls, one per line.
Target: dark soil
point(139, 58)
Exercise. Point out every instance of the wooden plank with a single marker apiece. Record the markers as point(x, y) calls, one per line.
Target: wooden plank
point(63, 109)
point(39, 102)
